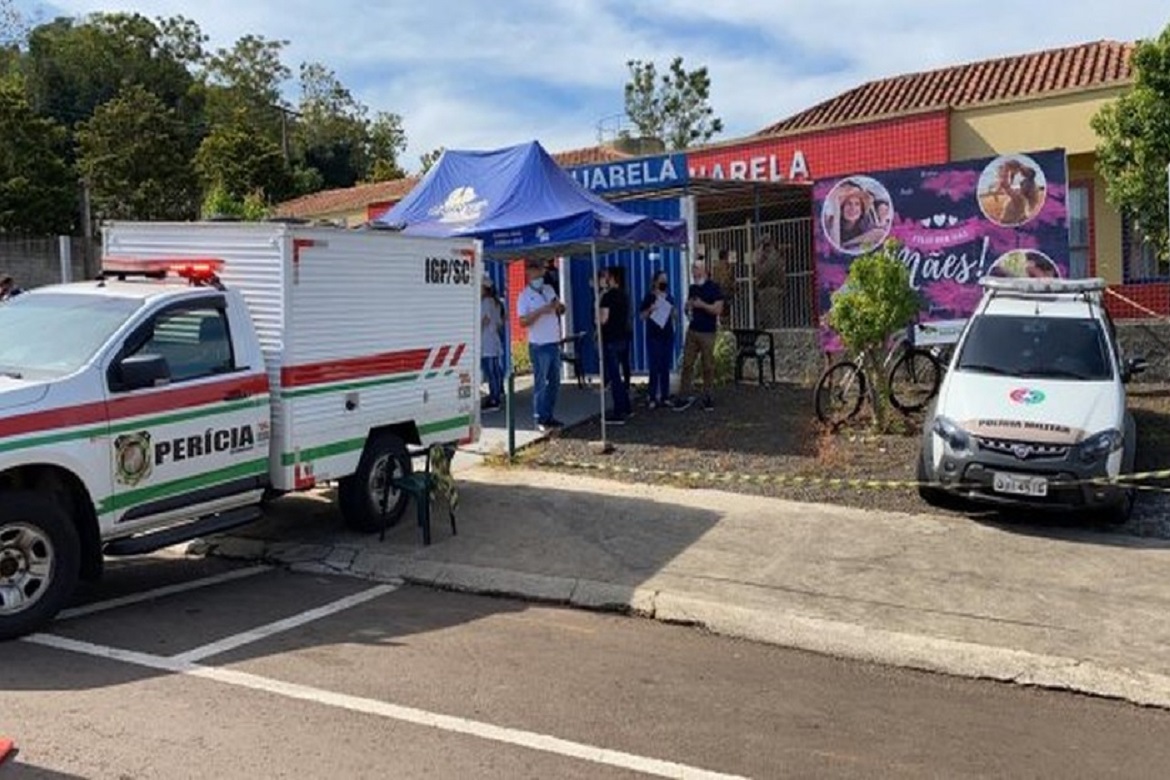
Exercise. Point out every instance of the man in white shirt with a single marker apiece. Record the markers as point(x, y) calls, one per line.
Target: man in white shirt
point(540, 310)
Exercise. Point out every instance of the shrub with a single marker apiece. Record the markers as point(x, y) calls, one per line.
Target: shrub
point(875, 302)
point(725, 351)
point(521, 363)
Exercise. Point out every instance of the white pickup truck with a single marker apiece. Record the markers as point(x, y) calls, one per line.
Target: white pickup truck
point(212, 366)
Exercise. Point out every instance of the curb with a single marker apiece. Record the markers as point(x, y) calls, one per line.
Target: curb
point(7, 749)
point(837, 639)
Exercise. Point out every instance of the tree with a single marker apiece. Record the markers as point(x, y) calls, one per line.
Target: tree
point(386, 141)
point(220, 203)
point(13, 26)
point(1135, 144)
point(74, 67)
point(428, 160)
point(673, 107)
point(336, 136)
point(132, 155)
point(38, 192)
point(875, 302)
point(244, 85)
point(332, 131)
point(238, 162)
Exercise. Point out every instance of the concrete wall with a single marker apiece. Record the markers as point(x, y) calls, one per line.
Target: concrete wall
point(34, 262)
point(799, 358)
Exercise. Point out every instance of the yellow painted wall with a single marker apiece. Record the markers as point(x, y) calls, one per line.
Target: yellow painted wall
point(1055, 122)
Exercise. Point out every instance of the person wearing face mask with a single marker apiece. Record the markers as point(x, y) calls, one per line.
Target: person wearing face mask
point(660, 314)
point(704, 306)
point(540, 310)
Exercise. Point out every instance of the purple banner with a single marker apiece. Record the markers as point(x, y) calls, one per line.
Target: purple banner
point(1004, 216)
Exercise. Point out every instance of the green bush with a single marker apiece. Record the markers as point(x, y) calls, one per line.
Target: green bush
point(521, 363)
point(875, 302)
point(725, 351)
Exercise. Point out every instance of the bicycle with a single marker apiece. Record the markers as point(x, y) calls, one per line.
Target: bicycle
point(915, 374)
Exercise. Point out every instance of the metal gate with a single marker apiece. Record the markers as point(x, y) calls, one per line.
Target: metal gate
point(768, 275)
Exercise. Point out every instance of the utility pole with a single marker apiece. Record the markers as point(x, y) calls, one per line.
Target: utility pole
point(285, 111)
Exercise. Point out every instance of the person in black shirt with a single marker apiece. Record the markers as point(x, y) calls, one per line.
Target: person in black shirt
point(660, 314)
point(704, 306)
point(615, 342)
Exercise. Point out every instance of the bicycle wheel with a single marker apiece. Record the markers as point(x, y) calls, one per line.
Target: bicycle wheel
point(914, 380)
point(839, 393)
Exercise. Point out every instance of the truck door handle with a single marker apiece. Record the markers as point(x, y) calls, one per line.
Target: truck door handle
point(236, 395)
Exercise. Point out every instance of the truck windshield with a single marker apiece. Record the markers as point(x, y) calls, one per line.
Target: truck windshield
point(1037, 348)
point(44, 335)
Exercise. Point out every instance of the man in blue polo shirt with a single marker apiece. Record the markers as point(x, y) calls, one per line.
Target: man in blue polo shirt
point(704, 306)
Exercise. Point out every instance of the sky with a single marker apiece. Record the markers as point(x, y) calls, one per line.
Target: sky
point(480, 74)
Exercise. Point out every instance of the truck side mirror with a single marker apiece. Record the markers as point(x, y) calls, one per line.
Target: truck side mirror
point(1135, 366)
point(141, 371)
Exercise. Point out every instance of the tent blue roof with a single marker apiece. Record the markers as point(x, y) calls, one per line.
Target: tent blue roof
point(518, 201)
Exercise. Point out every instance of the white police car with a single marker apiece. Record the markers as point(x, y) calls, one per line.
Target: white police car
point(1033, 407)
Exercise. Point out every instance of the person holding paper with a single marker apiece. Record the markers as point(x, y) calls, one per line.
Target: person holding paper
point(659, 312)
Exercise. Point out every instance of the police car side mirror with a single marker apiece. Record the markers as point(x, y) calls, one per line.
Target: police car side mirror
point(141, 371)
point(1135, 366)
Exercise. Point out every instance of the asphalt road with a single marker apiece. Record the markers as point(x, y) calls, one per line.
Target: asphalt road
point(266, 673)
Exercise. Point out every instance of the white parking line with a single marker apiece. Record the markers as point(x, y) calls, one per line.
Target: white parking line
point(263, 632)
point(502, 734)
point(157, 593)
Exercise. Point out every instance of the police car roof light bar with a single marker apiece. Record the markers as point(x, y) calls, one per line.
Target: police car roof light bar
point(196, 270)
point(1027, 286)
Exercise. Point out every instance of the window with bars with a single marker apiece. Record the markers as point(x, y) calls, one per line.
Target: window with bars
point(1079, 232)
point(1141, 263)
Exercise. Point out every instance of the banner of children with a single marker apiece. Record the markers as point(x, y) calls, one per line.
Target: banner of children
point(956, 223)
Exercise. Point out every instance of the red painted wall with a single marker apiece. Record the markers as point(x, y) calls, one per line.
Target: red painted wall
point(375, 210)
point(516, 282)
point(899, 143)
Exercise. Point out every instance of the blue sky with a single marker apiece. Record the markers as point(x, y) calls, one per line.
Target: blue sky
point(487, 73)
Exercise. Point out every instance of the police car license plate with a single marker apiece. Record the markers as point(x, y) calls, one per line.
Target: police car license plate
point(1016, 485)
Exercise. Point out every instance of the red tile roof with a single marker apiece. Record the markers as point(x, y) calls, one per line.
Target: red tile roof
point(326, 202)
point(1074, 68)
point(590, 155)
point(349, 199)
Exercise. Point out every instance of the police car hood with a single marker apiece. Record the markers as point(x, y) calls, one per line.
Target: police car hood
point(15, 393)
point(1037, 410)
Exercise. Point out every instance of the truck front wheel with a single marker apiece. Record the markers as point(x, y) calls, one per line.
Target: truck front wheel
point(360, 494)
point(40, 561)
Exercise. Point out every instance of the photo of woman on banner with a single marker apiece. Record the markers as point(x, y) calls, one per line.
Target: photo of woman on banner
point(857, 215)
point(1012, 190)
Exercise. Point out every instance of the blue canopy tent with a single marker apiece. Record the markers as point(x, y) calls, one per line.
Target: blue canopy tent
point(519, 203)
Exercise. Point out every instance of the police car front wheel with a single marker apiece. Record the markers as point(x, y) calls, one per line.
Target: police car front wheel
point(40, 556)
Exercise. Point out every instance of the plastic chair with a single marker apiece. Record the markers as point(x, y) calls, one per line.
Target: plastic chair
point(571, 354)
point(756, 345)
point(421, 486)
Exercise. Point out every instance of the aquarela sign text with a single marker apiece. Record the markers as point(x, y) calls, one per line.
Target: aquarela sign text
point(641, 173)
point(762, 167)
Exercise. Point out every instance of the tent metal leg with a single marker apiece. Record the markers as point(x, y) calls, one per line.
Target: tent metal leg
point(600, 347)
point(510, 414)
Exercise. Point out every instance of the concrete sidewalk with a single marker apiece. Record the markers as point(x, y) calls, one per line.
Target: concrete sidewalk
point(1054, 607)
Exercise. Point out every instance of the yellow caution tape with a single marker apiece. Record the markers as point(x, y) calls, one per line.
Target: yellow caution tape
point(838, 482)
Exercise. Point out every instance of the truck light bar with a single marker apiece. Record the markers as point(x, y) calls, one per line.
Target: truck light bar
point(193, 269)
point(1042, 286)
